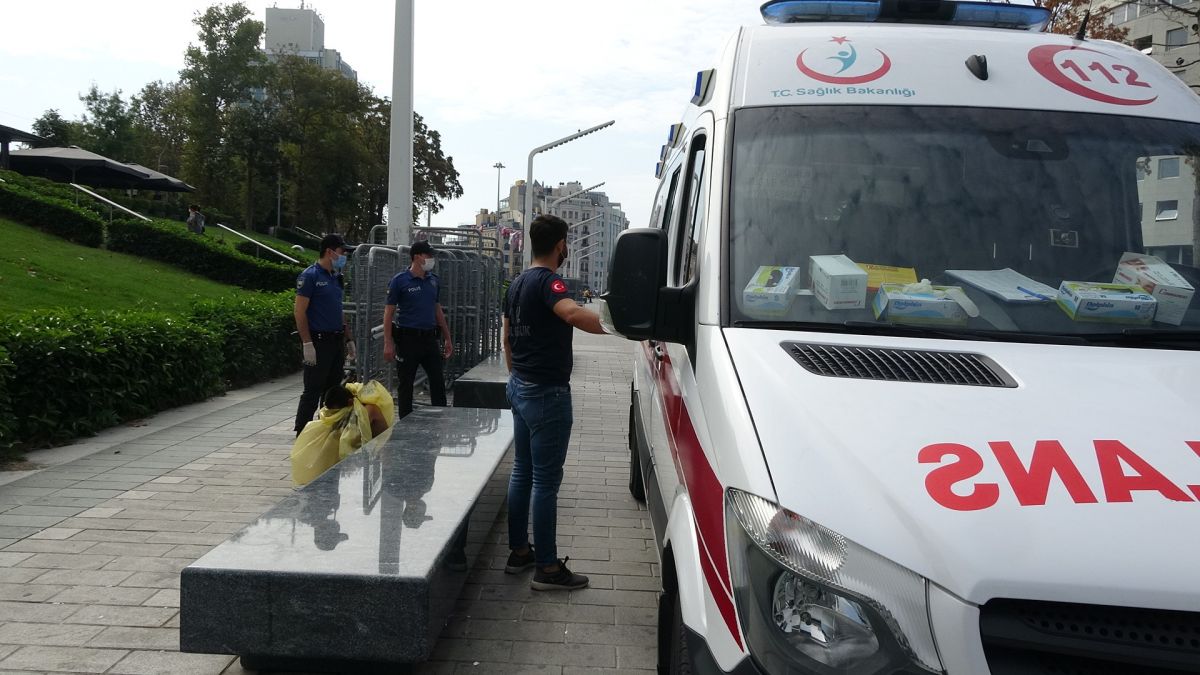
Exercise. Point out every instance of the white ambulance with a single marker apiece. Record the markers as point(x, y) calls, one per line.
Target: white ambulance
point(917, 387)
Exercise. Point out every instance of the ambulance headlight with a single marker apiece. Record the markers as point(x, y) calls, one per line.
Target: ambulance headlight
point(810, 600)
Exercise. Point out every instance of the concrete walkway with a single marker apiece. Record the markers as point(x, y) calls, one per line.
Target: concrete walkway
point(91, 548)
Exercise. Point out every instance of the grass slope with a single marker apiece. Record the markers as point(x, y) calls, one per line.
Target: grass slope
point(39, 271)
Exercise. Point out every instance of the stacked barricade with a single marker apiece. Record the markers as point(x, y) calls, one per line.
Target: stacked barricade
point(470, 273)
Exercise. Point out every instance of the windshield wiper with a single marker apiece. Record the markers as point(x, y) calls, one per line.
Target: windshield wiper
point(871, 328)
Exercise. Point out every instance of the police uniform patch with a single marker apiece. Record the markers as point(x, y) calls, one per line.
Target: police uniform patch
point(558, 286)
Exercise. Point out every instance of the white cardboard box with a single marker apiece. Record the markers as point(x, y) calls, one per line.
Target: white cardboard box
point(1108, 303)
point(893, 304)
point(1172, 292)
point(837, 282)
point(770, 291)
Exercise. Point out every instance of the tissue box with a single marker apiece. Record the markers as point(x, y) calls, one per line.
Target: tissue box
point(1170, 290)
point(1115, 303)
point(837, 282)
point(893, 304)
point(877, 275)
point(770, 291)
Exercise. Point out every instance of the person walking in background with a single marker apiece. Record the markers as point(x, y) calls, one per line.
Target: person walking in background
point(412, 319)
point(324, 335)
point(539, 321)
point(195, 220)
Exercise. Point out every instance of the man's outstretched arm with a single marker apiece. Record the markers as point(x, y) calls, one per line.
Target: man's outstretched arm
point(568, 310)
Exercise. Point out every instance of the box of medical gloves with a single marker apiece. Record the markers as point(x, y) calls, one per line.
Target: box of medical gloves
point(770, 291)
point(837, 282)
point(902, 303)
point(1111, 303)
point(1170, 290)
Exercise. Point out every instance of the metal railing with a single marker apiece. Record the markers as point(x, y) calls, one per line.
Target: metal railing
point(258, 244)
point(111, 204)
point(470, 273)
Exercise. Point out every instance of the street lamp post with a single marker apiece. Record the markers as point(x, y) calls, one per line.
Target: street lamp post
point(499, 166)
point(528, 211)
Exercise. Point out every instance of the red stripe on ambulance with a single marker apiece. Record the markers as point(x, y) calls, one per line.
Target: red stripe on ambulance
point(1122, 474)
point(703, 487)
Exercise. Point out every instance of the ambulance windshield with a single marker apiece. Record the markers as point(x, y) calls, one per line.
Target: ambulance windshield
point(1008, 223)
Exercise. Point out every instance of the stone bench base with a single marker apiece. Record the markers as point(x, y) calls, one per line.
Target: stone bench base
point(364, 564)
point(483, 386)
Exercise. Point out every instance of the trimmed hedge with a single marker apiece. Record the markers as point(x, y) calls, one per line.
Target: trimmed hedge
point(255, 335)
point(78, 372)
point(8, 428)
point(202, 255)
point(65, 375)
point(53, 215)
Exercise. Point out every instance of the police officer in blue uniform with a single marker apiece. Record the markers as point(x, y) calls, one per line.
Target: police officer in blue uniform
point(324, 334)
point(412, 319)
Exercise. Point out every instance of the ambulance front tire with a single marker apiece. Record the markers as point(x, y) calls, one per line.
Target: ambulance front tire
point(637, 487)
point(680, 662)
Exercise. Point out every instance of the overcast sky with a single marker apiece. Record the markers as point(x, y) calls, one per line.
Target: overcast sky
point(495, 78)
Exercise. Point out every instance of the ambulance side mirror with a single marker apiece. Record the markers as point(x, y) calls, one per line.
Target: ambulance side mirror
point(637, 273)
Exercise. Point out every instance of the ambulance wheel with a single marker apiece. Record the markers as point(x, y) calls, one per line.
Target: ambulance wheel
point(637, 487)
point(681, 658)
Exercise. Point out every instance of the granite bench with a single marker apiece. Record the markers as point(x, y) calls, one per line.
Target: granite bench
point(362, 567)
point(483, 386)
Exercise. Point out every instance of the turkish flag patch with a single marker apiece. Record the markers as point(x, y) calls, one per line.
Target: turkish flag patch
point(558, 286)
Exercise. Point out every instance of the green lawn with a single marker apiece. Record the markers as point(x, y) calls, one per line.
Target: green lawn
point(40, 271)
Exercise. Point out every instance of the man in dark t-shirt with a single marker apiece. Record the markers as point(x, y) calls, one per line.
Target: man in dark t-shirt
point(539, 321)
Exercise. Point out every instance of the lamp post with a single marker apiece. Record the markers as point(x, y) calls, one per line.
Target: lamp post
point(528, 211)
point(574, 260)
point(499, 166)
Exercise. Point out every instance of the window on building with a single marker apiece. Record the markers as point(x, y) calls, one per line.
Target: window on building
point(1143, 43)
point(1167, 209)
point(1176, 38)
point(1168, 167)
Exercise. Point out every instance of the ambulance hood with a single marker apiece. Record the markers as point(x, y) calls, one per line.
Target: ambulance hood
point(914, 471)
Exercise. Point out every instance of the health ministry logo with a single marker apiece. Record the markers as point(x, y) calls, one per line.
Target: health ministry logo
point(841, 63)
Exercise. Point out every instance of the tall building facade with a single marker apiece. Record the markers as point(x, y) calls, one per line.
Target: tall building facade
point(302, 32)
point(1167, 185)
point(594, 220)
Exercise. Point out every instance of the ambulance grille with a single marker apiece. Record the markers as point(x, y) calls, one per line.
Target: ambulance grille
point(899, 365)
point(1058, 638)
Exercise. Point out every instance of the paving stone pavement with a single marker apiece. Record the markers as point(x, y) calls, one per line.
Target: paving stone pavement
point(91, 549)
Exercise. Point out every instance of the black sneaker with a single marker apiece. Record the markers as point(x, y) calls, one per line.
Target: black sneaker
point(518, 563)
point(562, 579)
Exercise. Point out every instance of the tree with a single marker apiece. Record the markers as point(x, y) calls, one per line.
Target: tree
point(1066, 16)
point(160, 123)
point(107, 125)
point(56, 131)
point(434, 175)
point(225, 68)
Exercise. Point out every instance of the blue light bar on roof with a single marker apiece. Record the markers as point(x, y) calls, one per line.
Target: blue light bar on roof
point(979, 14)
point(704, 80)
point(674, 134)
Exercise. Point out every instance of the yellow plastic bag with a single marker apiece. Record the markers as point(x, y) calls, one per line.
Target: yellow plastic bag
point(357, 429)
point(336, 433)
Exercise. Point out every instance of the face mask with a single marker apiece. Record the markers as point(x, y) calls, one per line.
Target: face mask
point(428, 264)
point(339, 262)
point(562, 257)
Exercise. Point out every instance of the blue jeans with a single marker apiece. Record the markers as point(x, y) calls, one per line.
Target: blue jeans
point(542, 424)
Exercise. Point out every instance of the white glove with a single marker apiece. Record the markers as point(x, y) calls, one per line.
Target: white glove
point(310, 354)
point(351, 351)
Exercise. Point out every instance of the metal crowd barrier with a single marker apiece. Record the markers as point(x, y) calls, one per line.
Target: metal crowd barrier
point(470, 271)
